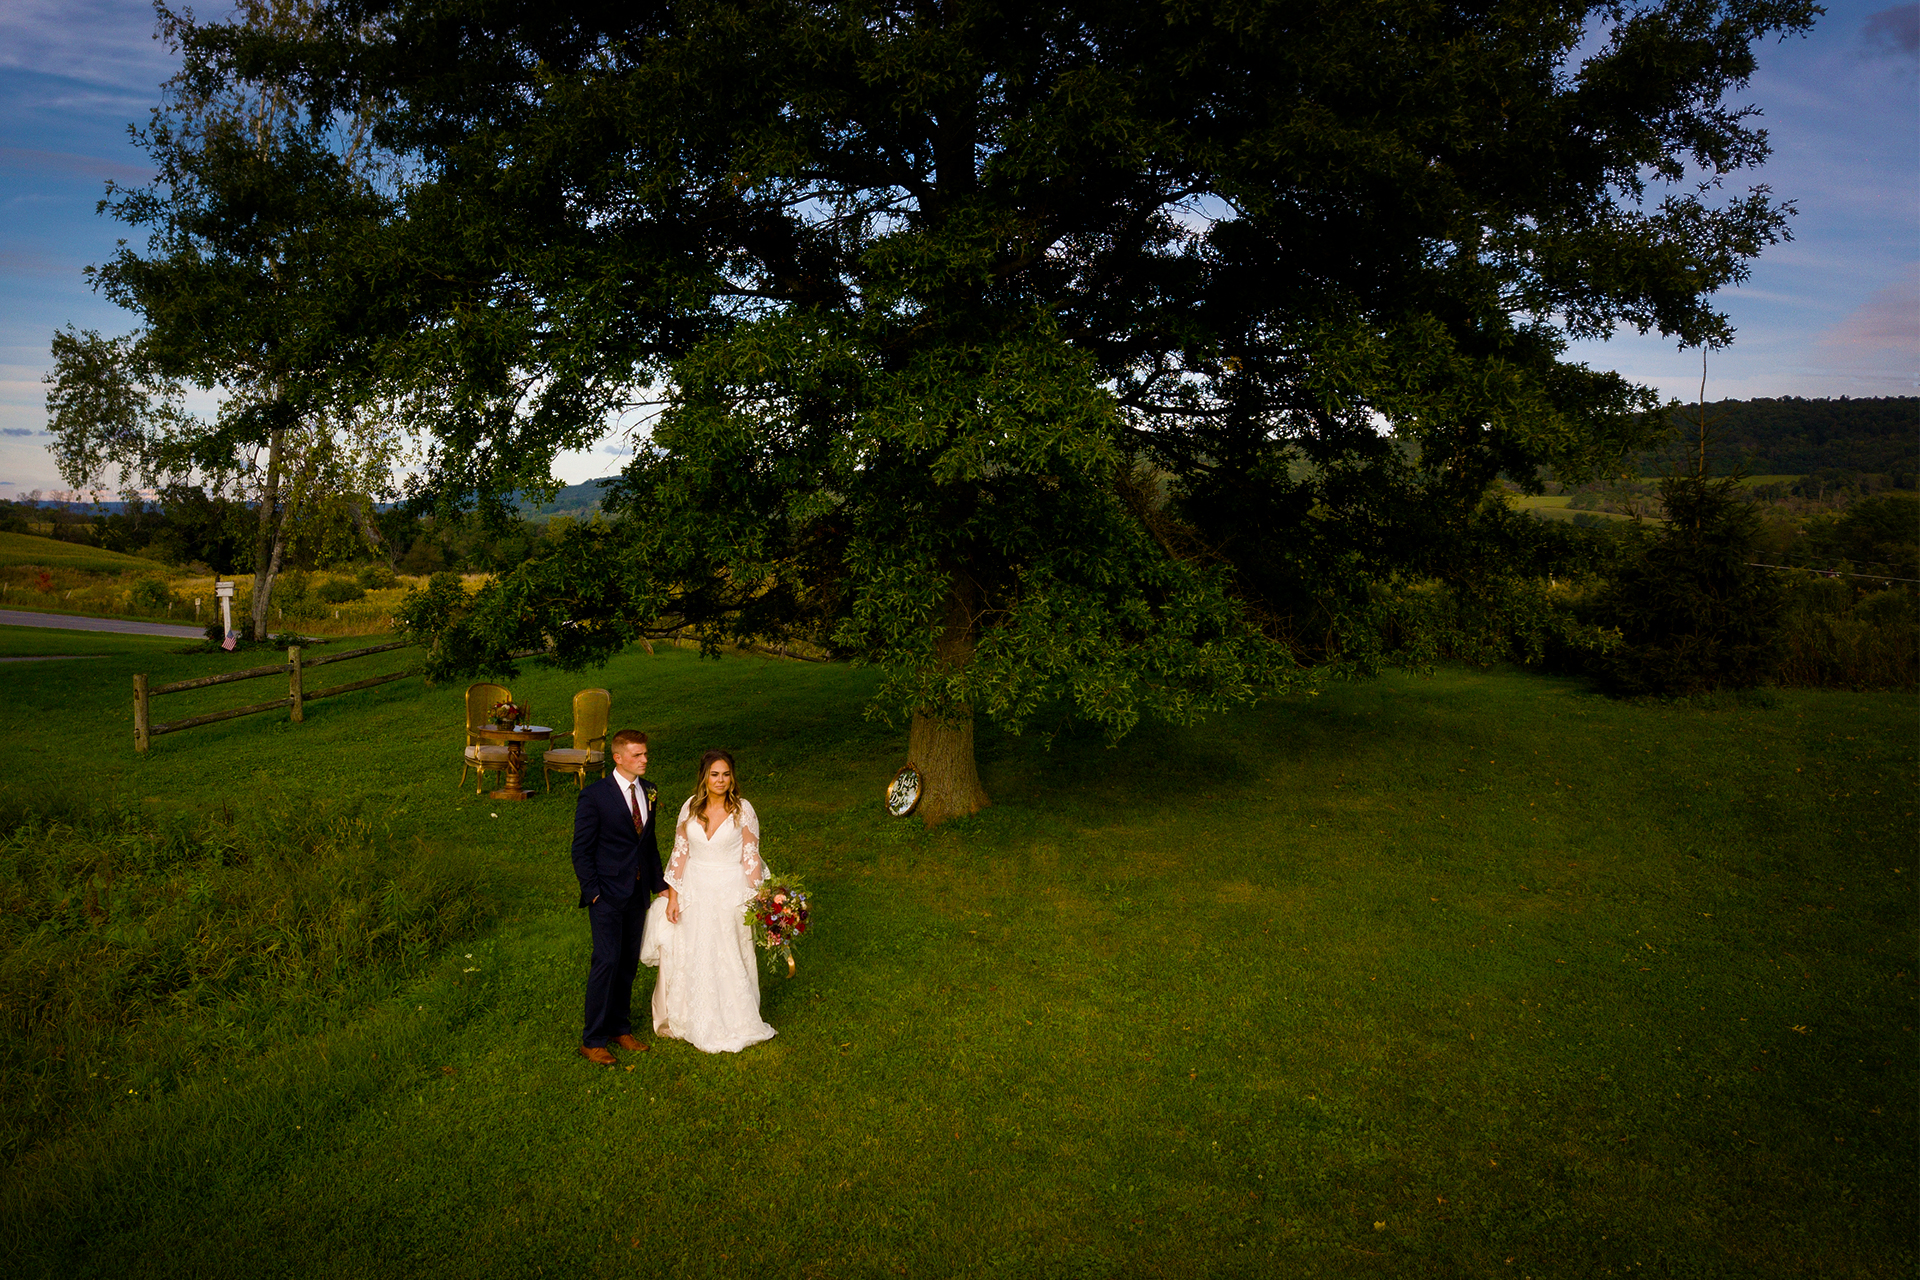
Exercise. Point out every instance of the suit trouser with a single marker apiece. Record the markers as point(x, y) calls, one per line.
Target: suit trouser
point(616, 958)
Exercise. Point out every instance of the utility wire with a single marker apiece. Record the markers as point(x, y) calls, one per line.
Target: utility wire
point(1828, 573)
point(1805, 555)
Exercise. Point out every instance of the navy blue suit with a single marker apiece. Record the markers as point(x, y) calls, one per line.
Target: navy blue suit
point(621, 868)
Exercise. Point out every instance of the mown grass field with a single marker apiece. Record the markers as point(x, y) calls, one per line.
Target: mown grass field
point(1472, 975)
point(19, 642)
point(1558, 507)
point(31, 549)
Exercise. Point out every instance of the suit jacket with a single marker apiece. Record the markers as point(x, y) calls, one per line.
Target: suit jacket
point(610, 859)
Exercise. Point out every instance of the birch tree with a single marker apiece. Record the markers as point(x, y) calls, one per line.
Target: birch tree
point(258, 215)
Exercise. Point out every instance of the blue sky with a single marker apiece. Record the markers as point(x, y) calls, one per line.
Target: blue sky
point(1836, 312)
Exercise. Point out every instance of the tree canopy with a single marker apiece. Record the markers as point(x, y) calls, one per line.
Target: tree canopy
point(989, 341)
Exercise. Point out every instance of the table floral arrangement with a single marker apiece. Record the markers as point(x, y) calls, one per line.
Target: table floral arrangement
point(777, 915)
point(508, 714)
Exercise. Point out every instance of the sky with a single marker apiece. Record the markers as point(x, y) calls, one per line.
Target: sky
point(1836, 312)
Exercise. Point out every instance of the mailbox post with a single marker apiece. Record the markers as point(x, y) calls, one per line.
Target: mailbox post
point(224, 590)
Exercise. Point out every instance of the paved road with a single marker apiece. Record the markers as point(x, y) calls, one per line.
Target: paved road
point(72, 622)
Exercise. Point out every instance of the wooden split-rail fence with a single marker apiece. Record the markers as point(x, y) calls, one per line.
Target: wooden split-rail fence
point(144, 731)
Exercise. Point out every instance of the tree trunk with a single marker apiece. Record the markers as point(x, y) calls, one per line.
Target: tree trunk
point(264, 593)
point(369, 530)
point(949, 780)
point(940, 743)
point(290, 510)
point(266, 545)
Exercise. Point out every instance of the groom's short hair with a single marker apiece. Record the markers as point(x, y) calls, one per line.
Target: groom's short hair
point(626, 738)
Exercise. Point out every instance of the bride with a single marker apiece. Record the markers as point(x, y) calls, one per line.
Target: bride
point(708, 993)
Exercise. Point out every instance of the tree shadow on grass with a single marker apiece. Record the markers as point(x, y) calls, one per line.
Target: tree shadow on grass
point(1079, 771)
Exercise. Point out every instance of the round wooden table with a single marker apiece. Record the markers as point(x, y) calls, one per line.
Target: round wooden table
point(515, 788)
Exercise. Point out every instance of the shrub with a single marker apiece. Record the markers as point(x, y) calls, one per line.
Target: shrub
point(293, 595)
point(438, 616)
point(1694, 613)
point(1498, 618)
point(1838, 637)
point(340, 591)
point(151, 593)
point(377, 577)
point(1898, 607)
point(424, 556)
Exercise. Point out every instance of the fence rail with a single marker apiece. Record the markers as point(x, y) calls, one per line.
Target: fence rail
point(144, 730)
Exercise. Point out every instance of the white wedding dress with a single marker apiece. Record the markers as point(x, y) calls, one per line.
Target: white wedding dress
point(708, 993)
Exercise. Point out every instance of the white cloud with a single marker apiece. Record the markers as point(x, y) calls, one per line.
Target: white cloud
point(102, 42)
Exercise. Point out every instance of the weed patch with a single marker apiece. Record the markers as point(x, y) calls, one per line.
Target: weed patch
point(138, 950)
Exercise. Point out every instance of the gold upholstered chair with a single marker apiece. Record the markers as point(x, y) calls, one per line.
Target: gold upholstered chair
point(482, 756)
point(592, 708)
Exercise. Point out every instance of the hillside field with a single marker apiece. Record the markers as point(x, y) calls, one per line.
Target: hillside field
point(32, 549)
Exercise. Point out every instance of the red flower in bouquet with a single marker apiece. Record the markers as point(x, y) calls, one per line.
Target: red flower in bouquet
point(778, 914)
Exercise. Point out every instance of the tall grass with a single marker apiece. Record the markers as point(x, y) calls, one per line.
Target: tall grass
point(1838, 637)
point(136, 951)
point(71, 588)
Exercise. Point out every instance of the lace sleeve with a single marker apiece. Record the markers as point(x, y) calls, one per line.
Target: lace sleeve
point(677, 863)
point(750, 864)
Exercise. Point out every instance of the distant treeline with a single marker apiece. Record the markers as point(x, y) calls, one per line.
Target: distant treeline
point(1792, 436)
point(579, 500)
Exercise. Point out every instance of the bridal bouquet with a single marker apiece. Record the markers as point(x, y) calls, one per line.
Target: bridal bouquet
point(777, 915)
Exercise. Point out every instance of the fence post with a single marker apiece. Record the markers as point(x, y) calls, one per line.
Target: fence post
point(140, 736)
point(293, 683)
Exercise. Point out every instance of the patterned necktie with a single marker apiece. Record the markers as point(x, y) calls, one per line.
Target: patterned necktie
point(633, 802)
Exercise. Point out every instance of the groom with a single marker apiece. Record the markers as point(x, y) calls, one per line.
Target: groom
point(617, 861)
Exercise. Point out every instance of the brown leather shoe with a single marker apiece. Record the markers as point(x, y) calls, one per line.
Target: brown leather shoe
point(629, 1044)
point(598, 1056)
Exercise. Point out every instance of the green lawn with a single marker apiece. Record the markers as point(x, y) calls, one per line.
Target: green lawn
point(1472, 975)
point(16, 642)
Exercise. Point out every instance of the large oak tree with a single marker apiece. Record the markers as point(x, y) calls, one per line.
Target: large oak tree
point(1017, 347)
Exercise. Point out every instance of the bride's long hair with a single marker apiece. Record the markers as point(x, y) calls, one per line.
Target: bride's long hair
point(732, 799)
